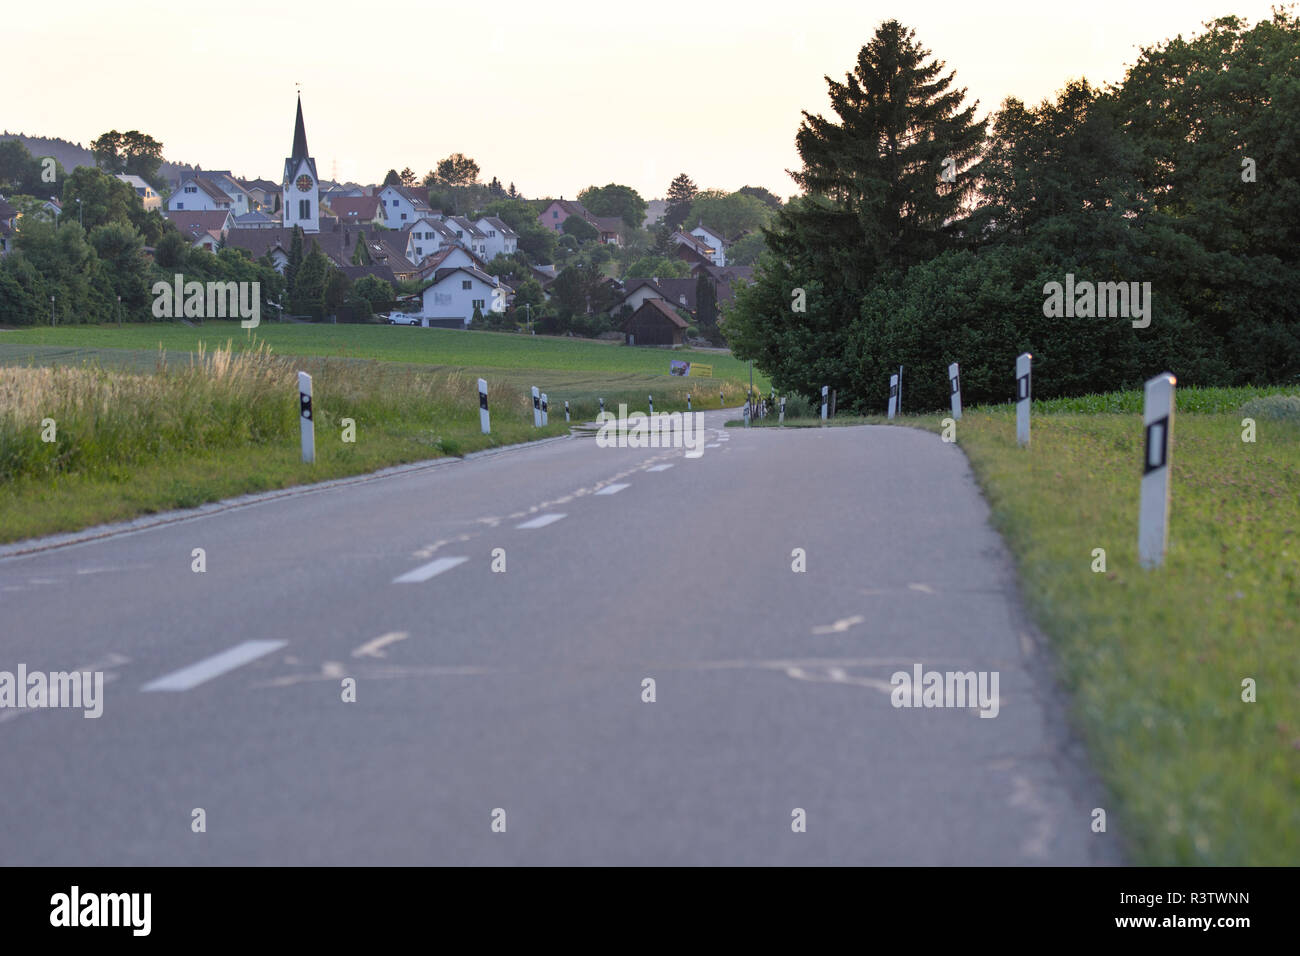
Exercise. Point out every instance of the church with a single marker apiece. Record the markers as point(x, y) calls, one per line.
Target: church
point(300, 186)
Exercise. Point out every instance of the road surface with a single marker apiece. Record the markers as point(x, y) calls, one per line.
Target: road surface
point(499, 716)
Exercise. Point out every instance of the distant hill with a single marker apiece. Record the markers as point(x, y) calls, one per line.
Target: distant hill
point(71, 155)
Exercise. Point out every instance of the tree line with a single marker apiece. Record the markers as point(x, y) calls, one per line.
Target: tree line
point(925, 236)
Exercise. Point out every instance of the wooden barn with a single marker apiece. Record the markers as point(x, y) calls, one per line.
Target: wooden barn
point(655, 323)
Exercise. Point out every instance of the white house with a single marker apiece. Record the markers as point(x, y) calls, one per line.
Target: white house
point(714, 241)
point(451, 300)
point(198, 194)
point(637, 291)
point(425, 237)
point(499, 239)
point(451, 257)
point(402, 206)
point(149, 198)
point(468, 235)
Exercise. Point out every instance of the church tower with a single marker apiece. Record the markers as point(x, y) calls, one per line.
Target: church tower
point(301, 186)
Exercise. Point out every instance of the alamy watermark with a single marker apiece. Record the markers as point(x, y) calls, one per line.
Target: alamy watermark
point(662, 430)
point(75, 689)
point(211, 300)
point(962, 689)
point(1100, 300)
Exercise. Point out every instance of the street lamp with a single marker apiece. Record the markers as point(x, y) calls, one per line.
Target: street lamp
point(119, 311)
point(51, 311)
point(80, 221)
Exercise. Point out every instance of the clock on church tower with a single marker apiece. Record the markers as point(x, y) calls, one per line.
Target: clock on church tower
point(304, 183)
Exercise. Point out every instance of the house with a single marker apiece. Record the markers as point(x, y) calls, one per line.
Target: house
point(337, 242)
point(197, 194)
point(467, 234)
point(402, 206)
point(692, 248)
point(655, 323)
point(426, 237)
point(150, 199)
point(713, 239)
point(448, 258)
point(451, 300)
point(553, 216)
point(263, 194)
point(8, 227)
point(53, 208)
point(205, 228)
point(356, 209)
point(501, 240)
point(636, 292)
point(240, 201)
point(256, 220)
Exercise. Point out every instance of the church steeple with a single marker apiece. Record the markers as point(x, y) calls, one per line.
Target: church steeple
point(299, 135)
point(300, 185)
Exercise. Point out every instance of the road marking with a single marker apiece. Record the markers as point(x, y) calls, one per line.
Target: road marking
point(713, 445)
point(612, 489)
point(205, 670)
point(426, 571)
point(840, 626)
point(541, 521)
point(923, 588)
point(659, 468)
point(373, 648)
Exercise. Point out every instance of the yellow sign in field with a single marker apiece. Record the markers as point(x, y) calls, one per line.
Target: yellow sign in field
point(701, 371)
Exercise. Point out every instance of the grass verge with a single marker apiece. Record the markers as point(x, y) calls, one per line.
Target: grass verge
point(1155, 661)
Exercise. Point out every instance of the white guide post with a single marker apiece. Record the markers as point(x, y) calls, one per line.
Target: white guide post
point(305, 418)
point(1153, 514)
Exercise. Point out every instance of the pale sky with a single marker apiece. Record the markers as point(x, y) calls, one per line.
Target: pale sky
point(552, 96)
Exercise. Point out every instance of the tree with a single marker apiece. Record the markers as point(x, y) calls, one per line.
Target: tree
point(393, 178)
point(579, 229)
point(615, 200)
point(407, 177)
point(361, 254)
point(706, 306)
point(307, 296)
point(132, 152)
point(731, 214)
point(495, 188)
point(876, 203)
point(660, 267)
point(295, 261)
point(22, 174)
point(746, 250)
point(681, 193)
point(512, 193)
point(337, 289)
point(765, 196)
point(103, 199)
point(375, 291)
point(457, 170)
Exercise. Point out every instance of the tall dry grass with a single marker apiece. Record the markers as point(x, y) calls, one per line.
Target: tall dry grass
point(105, 421)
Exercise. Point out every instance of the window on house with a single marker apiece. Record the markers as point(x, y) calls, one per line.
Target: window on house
point(191, 189)
point(492, 233)
point(554, 214)
point(466, 284)
point(459, 234)
point(419, 250)
point(180, 205)
point(479, 303)
point(403, 215)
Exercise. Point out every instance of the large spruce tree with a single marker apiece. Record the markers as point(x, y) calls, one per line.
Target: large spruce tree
point(887, 183)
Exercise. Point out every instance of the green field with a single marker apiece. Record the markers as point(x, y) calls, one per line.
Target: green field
point(446, 348)
point(1154, 660)
point(146, 422)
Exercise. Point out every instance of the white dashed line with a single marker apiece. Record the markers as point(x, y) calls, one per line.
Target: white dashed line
point(214, 666)
point(541, 521)
point(612, 489)
point(426, 571)
point(712, 445)
point(659, 468)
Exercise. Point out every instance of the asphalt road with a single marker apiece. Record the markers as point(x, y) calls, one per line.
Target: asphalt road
point(481, 691)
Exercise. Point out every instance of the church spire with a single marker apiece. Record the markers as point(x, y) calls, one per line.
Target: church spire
point(299, 135)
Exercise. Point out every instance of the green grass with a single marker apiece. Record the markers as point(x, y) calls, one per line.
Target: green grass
point(125, 444)
point(445, 348)
point(1154, 660)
